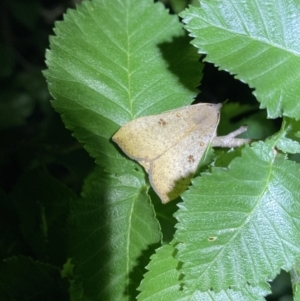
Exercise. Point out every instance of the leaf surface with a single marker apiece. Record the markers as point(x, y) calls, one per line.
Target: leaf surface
point(240, 224)
point(163, 281)
point(288, 138)
point(112, 227)
point(256, 40)
point(111, 62)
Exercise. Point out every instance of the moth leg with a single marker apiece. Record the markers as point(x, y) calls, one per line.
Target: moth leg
point(230, 140)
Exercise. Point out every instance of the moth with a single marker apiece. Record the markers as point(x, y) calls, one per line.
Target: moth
point(170, 145)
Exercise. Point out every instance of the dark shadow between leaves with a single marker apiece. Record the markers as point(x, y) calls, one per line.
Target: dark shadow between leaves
point(181, 56)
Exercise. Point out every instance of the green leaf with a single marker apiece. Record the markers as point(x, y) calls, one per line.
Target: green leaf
point(163, 282)
point(113, 231)
point(240, 224)
point(257, 41)
point(111, 62)
point(295, 277)
point(165, 216)
point(288, 138)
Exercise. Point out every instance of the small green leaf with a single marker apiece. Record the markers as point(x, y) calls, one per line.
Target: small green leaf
point(240, 224)
point(288, 138)
point(161, 282)
point(256, 40)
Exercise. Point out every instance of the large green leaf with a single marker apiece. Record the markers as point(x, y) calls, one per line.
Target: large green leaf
point(110, 62)
point(256, 40)
point(112, 228)
point(241, 224)
point(162, 282)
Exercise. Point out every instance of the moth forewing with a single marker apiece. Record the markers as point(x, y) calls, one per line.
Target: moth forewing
point(170, 145)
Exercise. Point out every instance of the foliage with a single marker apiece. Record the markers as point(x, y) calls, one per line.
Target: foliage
point(234, 229)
